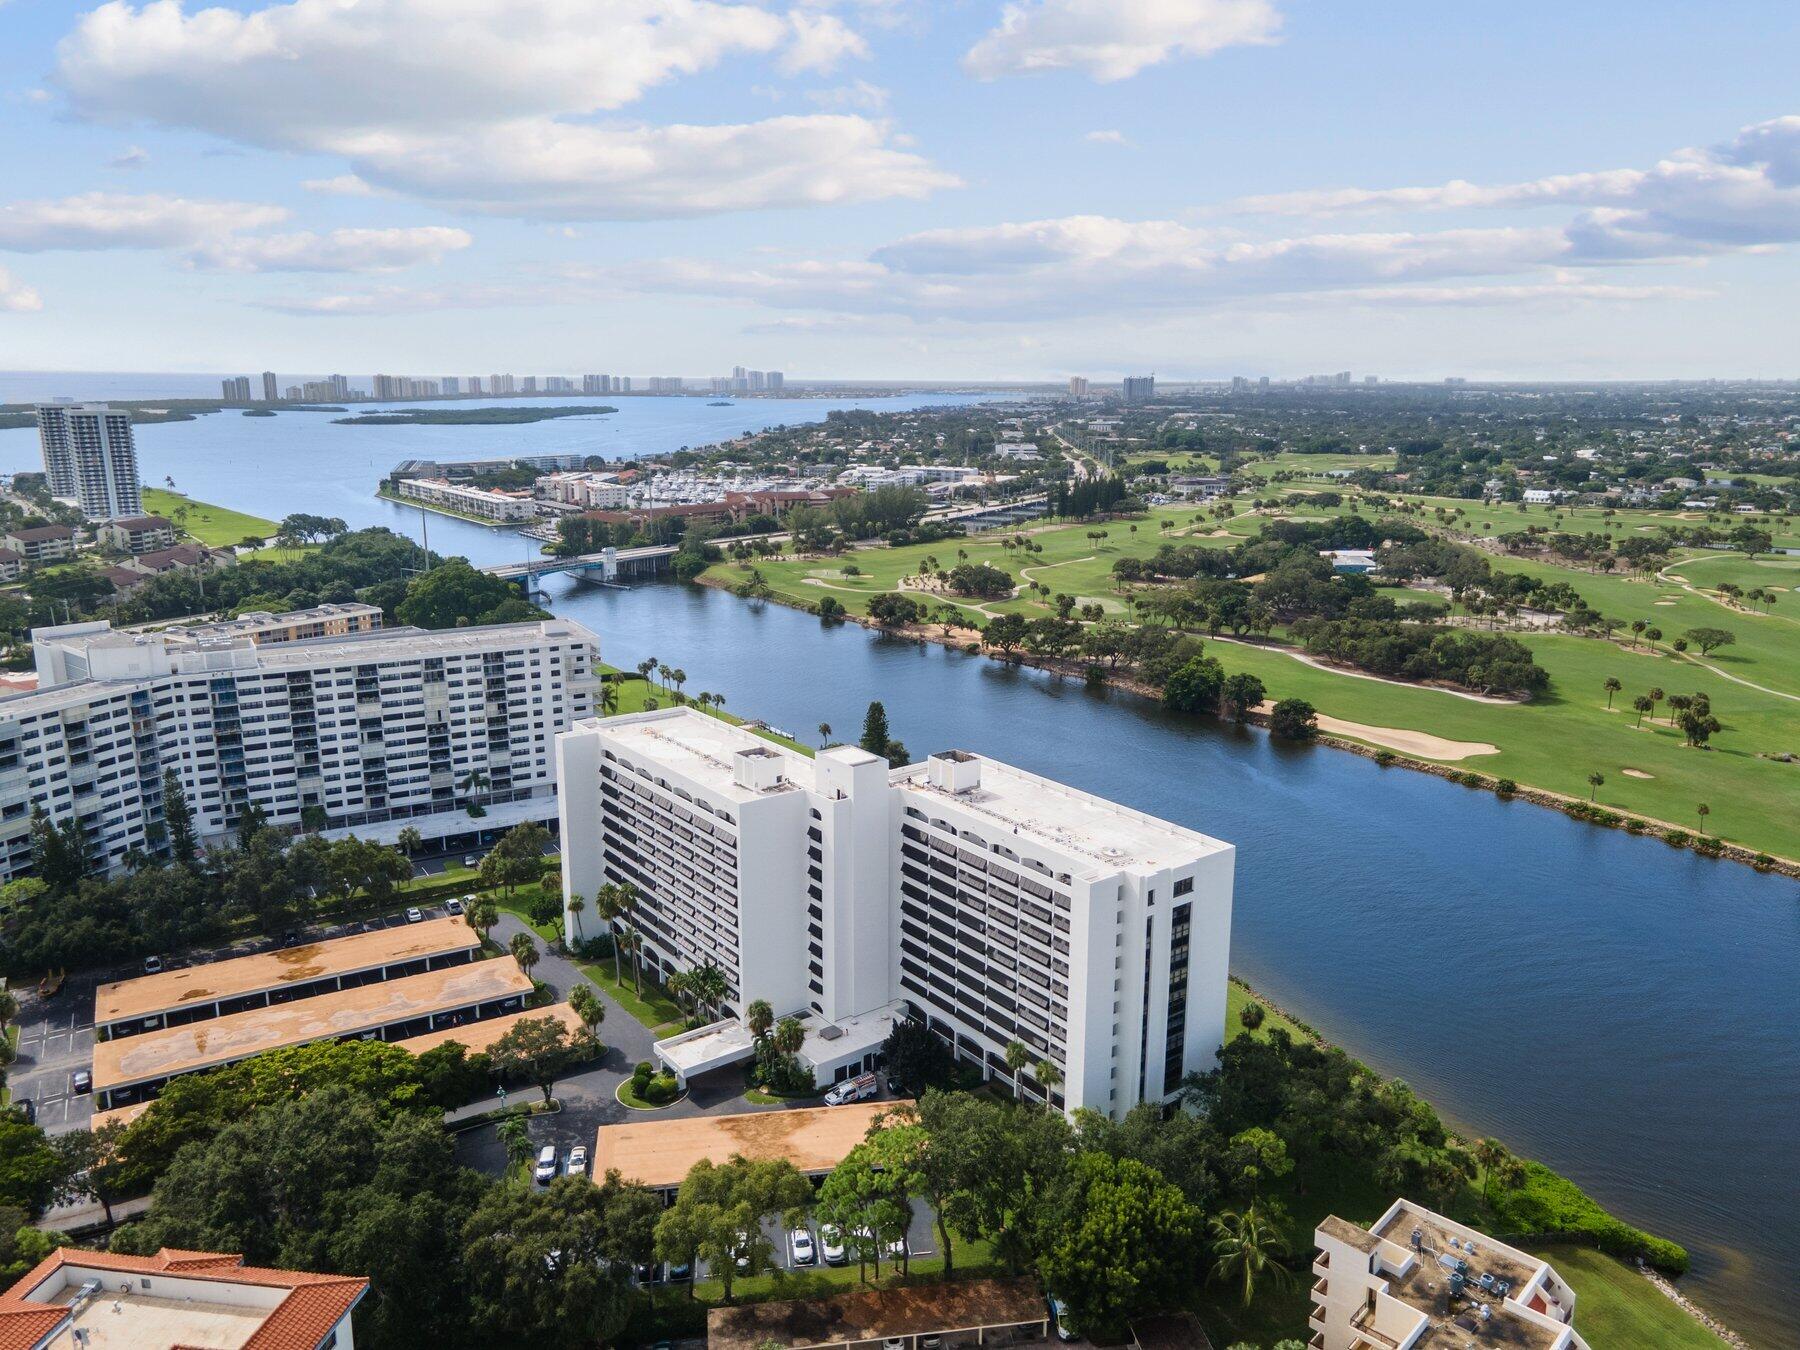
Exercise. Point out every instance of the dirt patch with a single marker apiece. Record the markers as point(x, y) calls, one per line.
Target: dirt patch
point(1403, 739)
point(1636, 773)
point(1664, 602)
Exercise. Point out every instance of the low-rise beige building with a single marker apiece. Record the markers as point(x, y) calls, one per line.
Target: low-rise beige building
point(136, 534)
point(41, 543)
point(1415, 1280)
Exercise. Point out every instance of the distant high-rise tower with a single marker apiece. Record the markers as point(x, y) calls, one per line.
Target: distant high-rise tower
point(451, 384)
point(90, 457)
point(1078, 386)
point(775, 381)
point(1140, 388)
point(340, 386)
point(271, 391)
point(237, 389)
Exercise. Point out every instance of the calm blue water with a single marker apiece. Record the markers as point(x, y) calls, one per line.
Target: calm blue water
point(1627, 1013)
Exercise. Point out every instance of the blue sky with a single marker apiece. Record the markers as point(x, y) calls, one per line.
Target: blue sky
point(892, 188)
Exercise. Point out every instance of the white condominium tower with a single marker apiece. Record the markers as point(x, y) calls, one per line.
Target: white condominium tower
point(90, 458)
point(368, 731)
point(997, 905)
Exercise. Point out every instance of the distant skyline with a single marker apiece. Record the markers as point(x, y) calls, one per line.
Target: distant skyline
point(892, 189)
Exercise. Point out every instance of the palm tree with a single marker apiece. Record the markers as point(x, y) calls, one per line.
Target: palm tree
point(1247, 1246)
point(409, 840)
point(482, 915)
point(524, 951)
point(588, 1006)
point(609, 698)
point(1641, 705)
point(759, 1017)
point(1596, 781)
point(1049, 1078)
point(1017, 1057)
point(824, 733)
point(573, 910)
point(608, 908)
point(515, 1136)
point(1703, 811)
point(790, 1035)
point(1656, 697)
point(1612, 686)
point(628, 901)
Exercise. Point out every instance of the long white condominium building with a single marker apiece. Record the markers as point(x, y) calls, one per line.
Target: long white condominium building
point(999, 905)
point(373, 731)
point(1415, 1278)
point(90, 458)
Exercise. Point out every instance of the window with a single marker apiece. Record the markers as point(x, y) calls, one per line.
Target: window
point(1185, 886)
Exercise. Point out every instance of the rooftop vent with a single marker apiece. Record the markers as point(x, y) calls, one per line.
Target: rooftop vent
point(830, 1031)
point(757, 769)
point(955, 771)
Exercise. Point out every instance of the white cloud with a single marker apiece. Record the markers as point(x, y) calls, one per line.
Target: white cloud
point(491, 104)
point(1106, 138)
point(857, 94)
point(16, 297)
point(350, 250)
point(550, 170)
point(135, 157)
point(113, 220)
point(1742, 194)
point(343, 185)
point(1109, 41)
point(215, 234)
point(821, 42)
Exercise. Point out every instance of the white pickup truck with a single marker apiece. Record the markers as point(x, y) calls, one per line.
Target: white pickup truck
point(858, 1089)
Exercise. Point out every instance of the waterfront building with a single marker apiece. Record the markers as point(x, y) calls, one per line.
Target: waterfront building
point(1140, 388)
point(528, 385)
point(487, 503)
point(90, 458)
point(621, 384)
point(475, 384)
point(595, 384)
point(269, 389)
point(1078, 386)
point(585, 490)
point(988, 903)
point(775, 381)
point(340, 386)
point(366, 731)
point(1416, 1278)
point(93, 1300)
point(501, 384)
point(451, 384)
point(236, 389)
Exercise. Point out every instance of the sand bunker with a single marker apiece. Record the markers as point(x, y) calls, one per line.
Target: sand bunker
point(1407, 742)
point(1636, 773)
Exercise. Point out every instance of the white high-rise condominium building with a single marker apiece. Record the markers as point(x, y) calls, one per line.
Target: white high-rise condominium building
point(451, 384)
point(776, 379)
point(1078, 386)
point(371, 731)
point(1140, 388)
point(992, 904)
point(271, 391)
point(595, 384)
point(90, 458)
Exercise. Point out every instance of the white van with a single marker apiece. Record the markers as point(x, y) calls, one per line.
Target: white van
point(546, 1169)
point(858, 1089)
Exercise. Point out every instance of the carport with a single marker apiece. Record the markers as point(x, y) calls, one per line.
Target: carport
point(962, 1312)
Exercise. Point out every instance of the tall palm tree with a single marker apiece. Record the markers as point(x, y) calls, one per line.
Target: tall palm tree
point(628, 902)
point(824, 733)
point(409, 840)
point(1612, 686)
point(1247, 1247)
point(524, 951)
point(573, 909)
point(607, 908)
point(609, 698)
point(1049, 1078)
point(1017, 1057)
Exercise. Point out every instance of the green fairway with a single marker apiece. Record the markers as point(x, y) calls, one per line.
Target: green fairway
point(1554, 742)
point(1315, 466)
point(1615, 1306)
point(214, 526)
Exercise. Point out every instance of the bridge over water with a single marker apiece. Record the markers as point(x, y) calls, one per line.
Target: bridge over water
point(609, 564)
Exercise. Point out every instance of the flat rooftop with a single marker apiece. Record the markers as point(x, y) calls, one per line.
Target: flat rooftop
point(125, 1319)
point(1456, 1324)
point(479, 1036)
point(730, 1041)
point(225, 1040)
point(659, 1153)
point(1063, 818)
point(877, 1314)
point(149, 995)
point(701, 748)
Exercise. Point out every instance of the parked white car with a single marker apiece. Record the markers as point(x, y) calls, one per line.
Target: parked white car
point(800, 1243)
point(545, 1171)
point(577, 1163)
point(831, 1242)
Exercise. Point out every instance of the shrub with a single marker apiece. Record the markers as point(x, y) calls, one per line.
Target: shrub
point(1709, 847)
point(1505, 786)
point(641, 1076)
point(1676, 838)
point(1762, 862)
point(1095, 676)
point(1549, 1206)
point(658, 1090)
point(1294, 719)
point(1385, 757)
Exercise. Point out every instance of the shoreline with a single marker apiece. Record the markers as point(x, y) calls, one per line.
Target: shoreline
point(1671, 834)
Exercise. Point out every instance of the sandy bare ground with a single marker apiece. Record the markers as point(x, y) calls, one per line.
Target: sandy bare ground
point(1420, 743)
point(1636, 773)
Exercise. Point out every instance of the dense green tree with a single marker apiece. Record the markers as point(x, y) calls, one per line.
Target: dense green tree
point(719, 1210)
point(1242, 693)
point(1294, 719)
point(1196, 687)
point(31, 1171)
point(541, 1050)
point(916, 1058)
point(455, 595)
point(1118, 1239)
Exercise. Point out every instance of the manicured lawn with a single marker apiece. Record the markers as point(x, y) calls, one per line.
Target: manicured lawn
point(214, 526)
point(1615, 1306)
point(637, 695)
point(1237, 998)
point(1555, 742)
point(654, 1008)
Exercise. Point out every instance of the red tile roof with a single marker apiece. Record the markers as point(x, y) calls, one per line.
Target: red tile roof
point(314, 1305)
